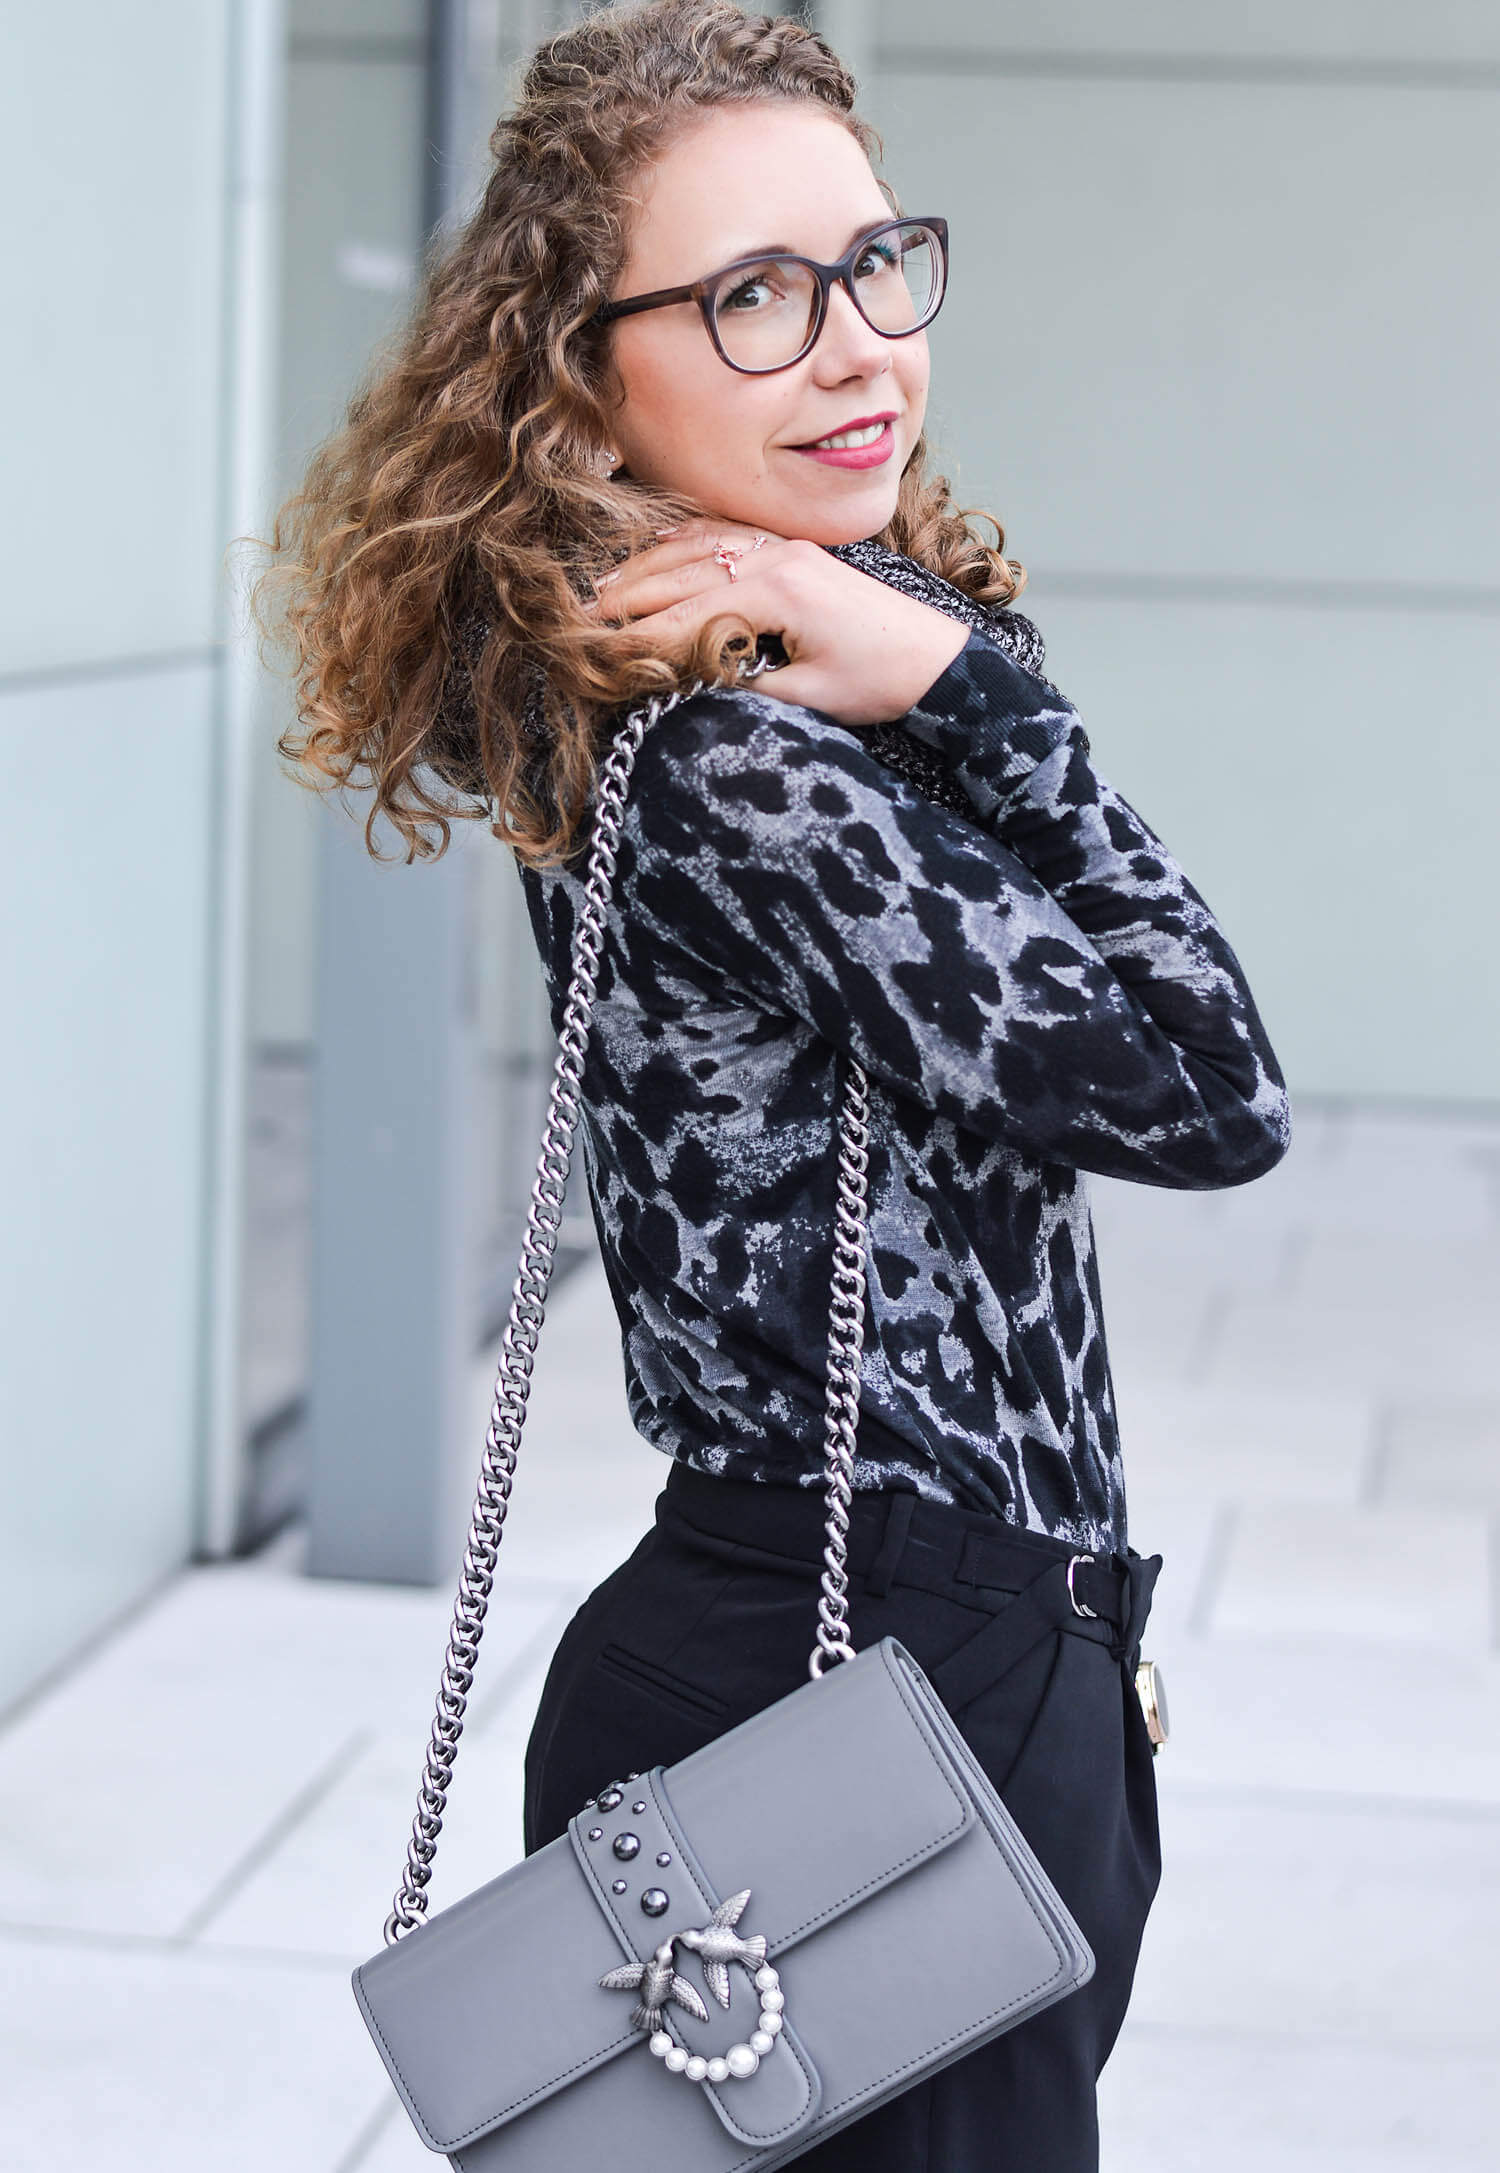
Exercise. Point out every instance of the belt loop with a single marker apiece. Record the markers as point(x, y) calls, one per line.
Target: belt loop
point(893, 1542)
point(1141, 1572)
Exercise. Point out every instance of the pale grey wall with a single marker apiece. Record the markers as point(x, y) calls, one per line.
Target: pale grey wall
point(111, 138)
point(112, 172)
point(1221, 350)
point(1189, 37)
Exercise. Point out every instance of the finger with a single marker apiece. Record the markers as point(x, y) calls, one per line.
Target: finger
point(802, 683)
point(638, 590)
point(693, 541)
point(690, 548)
point(685, 616)
point(693, 538)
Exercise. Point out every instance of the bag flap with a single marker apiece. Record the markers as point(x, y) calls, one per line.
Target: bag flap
point(823, 1798)
point(814, 1805)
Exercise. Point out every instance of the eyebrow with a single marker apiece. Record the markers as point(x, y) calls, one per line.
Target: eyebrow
point(785, 248)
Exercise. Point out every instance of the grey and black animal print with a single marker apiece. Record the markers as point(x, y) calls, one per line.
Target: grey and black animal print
point(962, 903)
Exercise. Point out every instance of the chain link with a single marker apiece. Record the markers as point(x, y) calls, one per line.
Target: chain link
point(846, 1337)
point(528, 1301)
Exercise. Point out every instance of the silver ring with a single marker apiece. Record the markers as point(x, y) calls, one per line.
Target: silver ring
point(1080, 1607)
point(728, 556)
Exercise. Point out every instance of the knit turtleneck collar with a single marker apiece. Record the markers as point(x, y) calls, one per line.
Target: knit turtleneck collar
point(1008, 630)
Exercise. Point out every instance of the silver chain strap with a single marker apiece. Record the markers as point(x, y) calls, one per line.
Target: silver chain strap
point(846, 1338)
point(529, 1297)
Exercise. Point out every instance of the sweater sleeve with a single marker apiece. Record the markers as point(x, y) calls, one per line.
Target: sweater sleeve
point(1044, 976)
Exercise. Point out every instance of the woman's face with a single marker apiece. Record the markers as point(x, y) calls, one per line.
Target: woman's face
point(765, 177)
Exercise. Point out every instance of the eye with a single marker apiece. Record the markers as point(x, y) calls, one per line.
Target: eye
point(877, 257)
point(740, 296)
point(753, 289)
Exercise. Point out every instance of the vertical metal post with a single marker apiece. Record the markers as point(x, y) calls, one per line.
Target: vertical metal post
point(391, 1290)
point(447, 41)
point(252, 256)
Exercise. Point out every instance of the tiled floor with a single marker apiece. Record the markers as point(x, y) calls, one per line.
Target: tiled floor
point(202, 1824)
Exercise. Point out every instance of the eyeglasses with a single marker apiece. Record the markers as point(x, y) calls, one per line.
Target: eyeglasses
point(765, 313)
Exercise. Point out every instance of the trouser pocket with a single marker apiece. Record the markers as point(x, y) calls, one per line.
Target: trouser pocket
point(1005, 1719)
point(629, 1667)
point(631, 1686)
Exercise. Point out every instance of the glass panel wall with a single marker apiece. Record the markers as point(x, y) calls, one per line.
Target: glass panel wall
point(113, 138)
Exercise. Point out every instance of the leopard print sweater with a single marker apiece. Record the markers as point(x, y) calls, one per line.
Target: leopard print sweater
point(961, 903)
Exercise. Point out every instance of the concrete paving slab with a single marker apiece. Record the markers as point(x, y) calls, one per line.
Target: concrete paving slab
point(1177, 1240)
point(1397, 1346)
point(1184, 1442)
point(1342, 1919)
point(1189, 2100)
point(125, 2056)
point(215, 1718)
point(1354, 1270)
point(585, 1489)
point(1167, 1325)
point(391, 2146)
point(1363, 1172)
point(326, 1887)
point(1405, 1574)
point(586, 1483)
point(1335, 1717)
point(1436, 1450)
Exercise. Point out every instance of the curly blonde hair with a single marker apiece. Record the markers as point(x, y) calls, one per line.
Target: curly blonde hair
point(429, 577)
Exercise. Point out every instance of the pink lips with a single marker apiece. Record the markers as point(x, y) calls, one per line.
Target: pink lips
point(854, 456)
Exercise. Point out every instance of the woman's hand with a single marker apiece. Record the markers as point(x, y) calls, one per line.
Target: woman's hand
point(860, 651)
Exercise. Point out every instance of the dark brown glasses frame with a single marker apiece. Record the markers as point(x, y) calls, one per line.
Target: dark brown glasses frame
point(828, 276)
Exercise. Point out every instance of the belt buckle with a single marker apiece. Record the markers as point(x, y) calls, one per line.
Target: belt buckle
point(1080, 1607)
point(1152, 1692)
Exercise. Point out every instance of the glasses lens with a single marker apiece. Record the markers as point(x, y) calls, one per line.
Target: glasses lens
point(764, 312)
point(898, 278)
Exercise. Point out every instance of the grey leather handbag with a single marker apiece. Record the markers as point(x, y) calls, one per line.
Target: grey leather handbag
point(723, 1961)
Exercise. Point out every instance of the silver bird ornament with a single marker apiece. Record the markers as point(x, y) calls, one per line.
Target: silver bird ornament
point(718, 1944)
point(658, 1983)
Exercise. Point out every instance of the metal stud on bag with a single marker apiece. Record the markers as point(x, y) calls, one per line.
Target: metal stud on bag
point(523, 1327)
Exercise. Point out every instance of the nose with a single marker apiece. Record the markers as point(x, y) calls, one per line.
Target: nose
point(847, 345)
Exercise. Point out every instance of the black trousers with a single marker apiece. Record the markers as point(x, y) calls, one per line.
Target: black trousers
point(713, 1617)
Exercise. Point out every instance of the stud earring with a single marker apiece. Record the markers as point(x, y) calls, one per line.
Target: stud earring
point(607, 461)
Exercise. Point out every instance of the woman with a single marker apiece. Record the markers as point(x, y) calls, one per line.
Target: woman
point(664, 399)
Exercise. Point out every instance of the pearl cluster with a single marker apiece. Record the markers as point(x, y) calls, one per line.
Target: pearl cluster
point(740, 2061)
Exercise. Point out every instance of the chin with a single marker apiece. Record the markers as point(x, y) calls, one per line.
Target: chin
point(851, 523)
